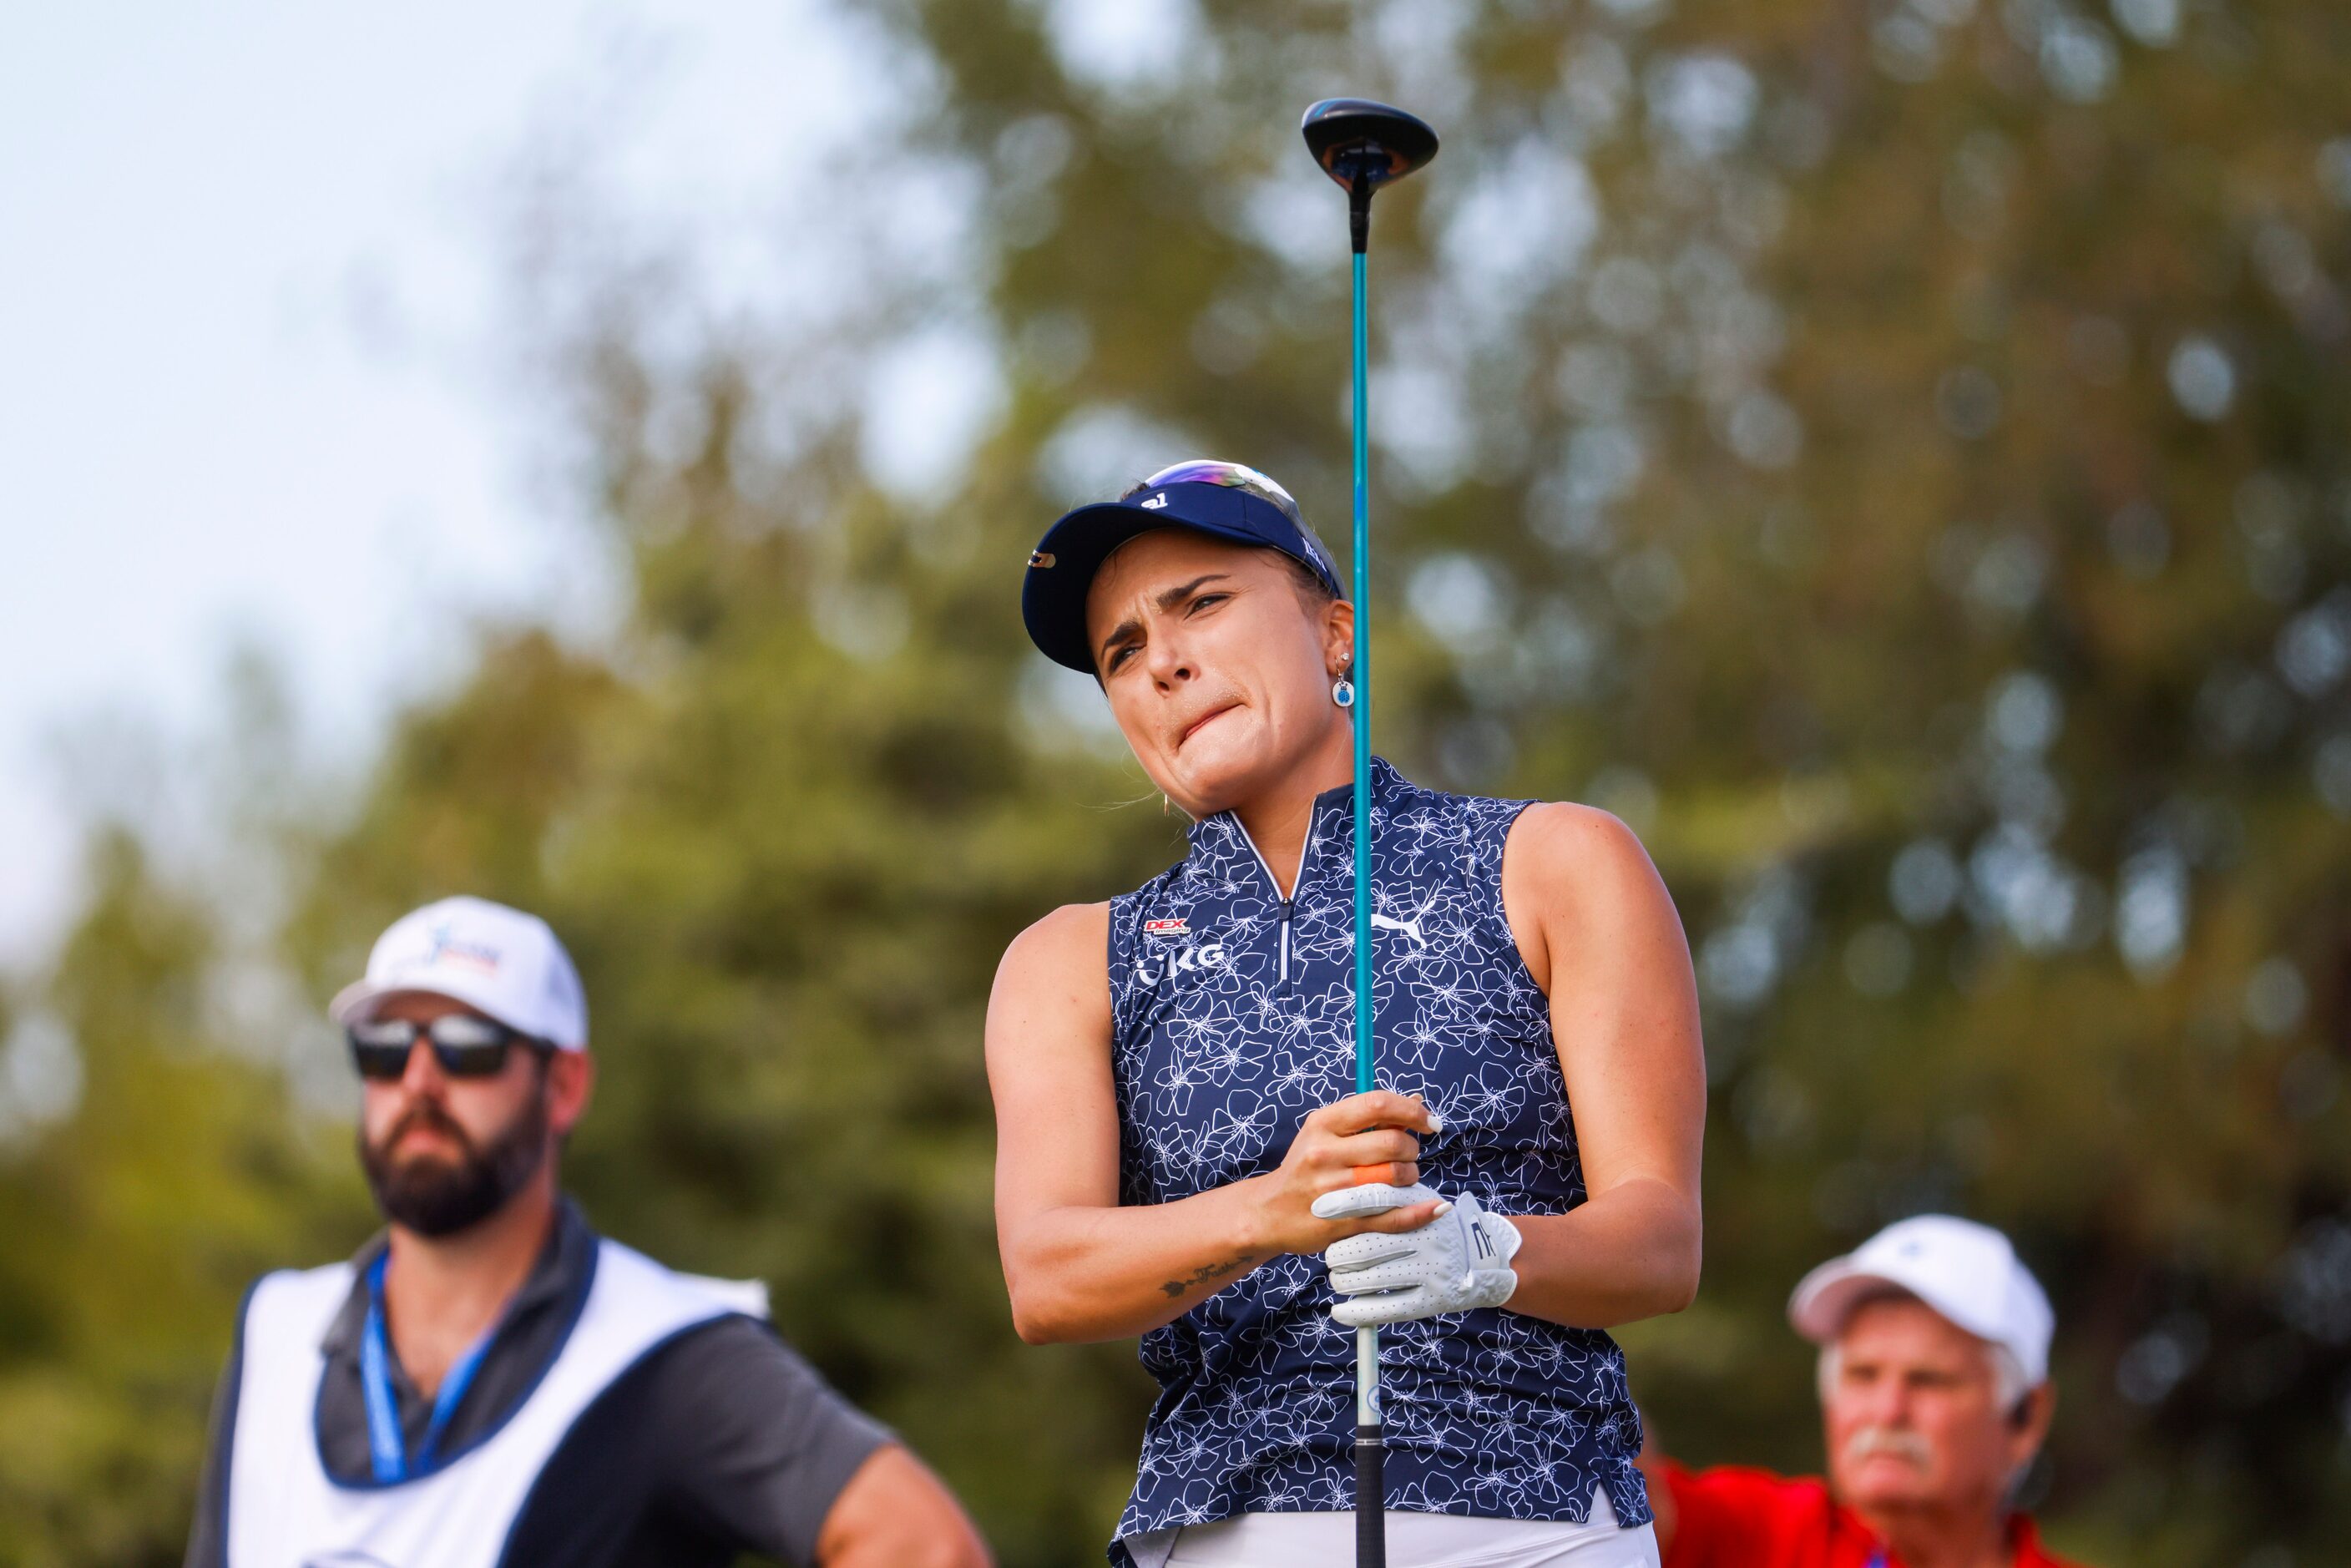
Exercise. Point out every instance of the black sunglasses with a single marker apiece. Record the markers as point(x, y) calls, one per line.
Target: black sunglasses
point(465, 1046)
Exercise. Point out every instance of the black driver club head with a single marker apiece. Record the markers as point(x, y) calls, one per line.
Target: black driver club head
point(1358, 141)
point(1364, 145)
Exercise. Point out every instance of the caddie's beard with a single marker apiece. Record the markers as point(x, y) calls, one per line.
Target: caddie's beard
point(435, 1195)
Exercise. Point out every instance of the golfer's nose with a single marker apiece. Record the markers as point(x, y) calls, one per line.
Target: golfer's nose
point(1169, 665)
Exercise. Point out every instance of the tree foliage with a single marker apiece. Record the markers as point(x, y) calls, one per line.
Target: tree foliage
point(1892, 455)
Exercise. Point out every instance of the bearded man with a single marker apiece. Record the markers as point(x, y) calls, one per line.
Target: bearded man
point(488, 1381)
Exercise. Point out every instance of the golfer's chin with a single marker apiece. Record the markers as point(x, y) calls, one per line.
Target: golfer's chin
point(1219, 765)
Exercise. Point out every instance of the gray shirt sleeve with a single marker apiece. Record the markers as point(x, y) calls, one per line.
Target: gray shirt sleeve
point(758, 1445)
point(207, 1537)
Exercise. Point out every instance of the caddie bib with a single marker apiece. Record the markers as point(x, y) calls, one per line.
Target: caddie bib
point(285, 1510)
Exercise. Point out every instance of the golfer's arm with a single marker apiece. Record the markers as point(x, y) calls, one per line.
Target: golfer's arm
point(1077, 1265)
point(1599, 930)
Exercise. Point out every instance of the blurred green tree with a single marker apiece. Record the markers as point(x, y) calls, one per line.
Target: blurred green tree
point(1891, 455)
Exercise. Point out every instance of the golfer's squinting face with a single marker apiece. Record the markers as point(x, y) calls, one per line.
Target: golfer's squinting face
point(1216, 668)
point(1913, 1414)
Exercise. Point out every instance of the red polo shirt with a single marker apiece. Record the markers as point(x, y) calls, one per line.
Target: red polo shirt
point(1731, 1516)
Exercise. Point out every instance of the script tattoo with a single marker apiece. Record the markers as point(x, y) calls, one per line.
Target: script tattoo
point(1208, 1271)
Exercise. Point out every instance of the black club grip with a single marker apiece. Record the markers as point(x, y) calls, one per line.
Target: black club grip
point(1371, 1499)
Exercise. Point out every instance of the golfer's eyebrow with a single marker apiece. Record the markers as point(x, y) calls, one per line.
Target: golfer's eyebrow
point(1166, 599)
point(1170, 598)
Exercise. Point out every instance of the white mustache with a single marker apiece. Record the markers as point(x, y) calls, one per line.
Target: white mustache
point(1894, 1440)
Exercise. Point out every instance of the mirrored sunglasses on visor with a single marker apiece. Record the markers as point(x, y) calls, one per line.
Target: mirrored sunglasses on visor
point(465, 1046)
point(1231, 476)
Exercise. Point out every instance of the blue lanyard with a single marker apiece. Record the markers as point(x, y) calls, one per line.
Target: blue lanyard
point(386, 1443)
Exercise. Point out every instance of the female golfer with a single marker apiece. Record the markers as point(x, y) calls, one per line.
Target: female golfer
point(1173, 1072)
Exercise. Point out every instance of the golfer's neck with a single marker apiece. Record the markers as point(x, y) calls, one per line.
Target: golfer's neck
point(441, 1293)
point(1972, 1537)
point(1279, 819)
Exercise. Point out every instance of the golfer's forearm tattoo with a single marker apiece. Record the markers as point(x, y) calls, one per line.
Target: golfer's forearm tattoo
point(1208, 1271)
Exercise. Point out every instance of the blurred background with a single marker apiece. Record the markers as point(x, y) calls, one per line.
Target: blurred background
point(1892, 454)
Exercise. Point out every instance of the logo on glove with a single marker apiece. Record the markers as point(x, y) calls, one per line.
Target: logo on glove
point(1457, 1262)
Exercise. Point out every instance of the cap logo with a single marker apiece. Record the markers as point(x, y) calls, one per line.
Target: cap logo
point(1039, 558)
point(1156, 502)
point(446, 945)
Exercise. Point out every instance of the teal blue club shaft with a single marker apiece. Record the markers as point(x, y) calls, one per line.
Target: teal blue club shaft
point(1370, 1547)
point(1363, 681)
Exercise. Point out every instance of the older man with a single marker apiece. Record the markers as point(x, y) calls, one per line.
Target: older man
point(1934, 1395)
point(489, 1382)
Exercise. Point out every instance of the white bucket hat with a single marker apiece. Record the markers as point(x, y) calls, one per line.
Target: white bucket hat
point(1969, 1273)
point(501, 962)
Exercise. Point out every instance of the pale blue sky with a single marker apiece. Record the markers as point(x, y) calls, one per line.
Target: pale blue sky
point(249, 381)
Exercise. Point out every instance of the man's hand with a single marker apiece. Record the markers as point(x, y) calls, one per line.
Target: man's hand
point(1457, 1261)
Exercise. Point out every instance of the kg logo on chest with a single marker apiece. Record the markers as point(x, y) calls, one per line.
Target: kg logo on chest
point(1165, 961)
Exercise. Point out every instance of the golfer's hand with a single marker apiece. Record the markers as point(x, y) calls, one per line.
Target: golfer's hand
point(1363, 1139)
point(1459, 1260)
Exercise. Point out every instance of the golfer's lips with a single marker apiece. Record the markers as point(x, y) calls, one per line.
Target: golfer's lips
point(1201, 723)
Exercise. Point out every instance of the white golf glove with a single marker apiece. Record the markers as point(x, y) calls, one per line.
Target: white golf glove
point(1457, 1261)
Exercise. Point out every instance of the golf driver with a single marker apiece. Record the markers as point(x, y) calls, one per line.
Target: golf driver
point(1363, 146)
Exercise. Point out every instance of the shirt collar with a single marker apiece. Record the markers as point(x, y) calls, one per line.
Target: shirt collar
point(1219, 843)
point(562, 1262)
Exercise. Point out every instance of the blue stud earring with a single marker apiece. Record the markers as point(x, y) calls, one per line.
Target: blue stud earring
point(1342, 691)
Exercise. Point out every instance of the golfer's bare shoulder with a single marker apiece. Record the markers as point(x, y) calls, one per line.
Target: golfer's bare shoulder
point(1578, 885)
point(1055, 972)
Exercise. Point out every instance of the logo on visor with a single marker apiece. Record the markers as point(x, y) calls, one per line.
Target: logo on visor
point(1156, 502)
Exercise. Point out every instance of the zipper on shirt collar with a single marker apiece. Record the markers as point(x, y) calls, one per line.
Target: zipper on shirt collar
point(1288, 904)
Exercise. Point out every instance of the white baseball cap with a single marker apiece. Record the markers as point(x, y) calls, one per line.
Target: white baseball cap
point(1969, 1273)
point(498, 961)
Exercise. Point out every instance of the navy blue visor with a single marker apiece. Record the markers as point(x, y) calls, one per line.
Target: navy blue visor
point(1226, 500)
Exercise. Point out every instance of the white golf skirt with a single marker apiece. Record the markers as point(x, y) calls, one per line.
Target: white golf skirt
point(1414, 1540)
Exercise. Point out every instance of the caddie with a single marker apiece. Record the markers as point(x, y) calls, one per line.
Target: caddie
point(1935, 1396)
point(1181, 1154)
point(488, 1381)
